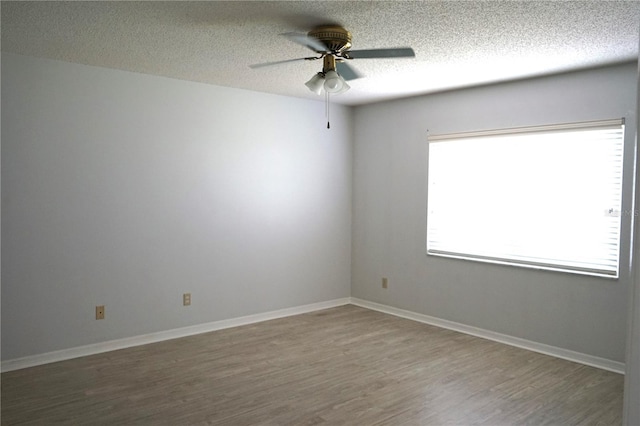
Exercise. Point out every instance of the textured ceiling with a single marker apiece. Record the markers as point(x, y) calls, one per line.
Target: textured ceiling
point(457, 43)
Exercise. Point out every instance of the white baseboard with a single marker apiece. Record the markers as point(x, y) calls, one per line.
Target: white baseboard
point(31, 361)
point(593, 361)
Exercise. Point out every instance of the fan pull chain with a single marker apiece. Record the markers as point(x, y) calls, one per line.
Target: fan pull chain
point(327, 103)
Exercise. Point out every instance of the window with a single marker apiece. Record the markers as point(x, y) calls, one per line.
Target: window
point(545, 197)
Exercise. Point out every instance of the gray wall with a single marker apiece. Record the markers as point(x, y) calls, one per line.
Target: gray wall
point(127, 190)
point(579, 313)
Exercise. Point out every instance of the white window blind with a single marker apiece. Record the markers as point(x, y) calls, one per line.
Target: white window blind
point(546, 197)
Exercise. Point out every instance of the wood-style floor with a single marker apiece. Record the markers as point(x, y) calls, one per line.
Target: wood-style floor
point(341, 366)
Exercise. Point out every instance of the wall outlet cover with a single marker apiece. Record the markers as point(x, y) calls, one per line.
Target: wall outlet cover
point(100, 312)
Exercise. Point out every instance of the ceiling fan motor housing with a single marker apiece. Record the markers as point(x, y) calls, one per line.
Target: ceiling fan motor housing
point(334, 37)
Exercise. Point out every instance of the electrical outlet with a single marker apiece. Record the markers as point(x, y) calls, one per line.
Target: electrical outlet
point(100, 312)
point(186, 299)
point(385, 283)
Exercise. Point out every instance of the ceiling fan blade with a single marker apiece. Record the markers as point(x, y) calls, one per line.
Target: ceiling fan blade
point(305, 40)
point(268, 64)
point(397, 52)
point(346, 71)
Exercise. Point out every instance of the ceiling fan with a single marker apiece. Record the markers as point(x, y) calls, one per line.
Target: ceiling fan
point(332, 43)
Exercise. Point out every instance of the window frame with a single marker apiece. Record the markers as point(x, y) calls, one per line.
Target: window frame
point(618, 124)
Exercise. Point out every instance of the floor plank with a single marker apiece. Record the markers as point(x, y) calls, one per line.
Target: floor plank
point(340, 366)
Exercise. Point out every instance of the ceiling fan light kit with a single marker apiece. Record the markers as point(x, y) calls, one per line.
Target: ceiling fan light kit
point(328, 79)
